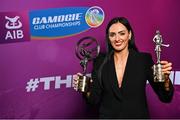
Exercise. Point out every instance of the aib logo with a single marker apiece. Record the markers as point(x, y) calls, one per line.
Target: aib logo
point(13, 26)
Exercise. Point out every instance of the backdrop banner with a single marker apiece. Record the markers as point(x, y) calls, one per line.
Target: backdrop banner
point(38, 60)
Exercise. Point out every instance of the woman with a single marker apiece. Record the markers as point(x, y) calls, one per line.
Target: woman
point(119, 78)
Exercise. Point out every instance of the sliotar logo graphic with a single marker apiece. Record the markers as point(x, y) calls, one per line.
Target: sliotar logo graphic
point(94, 16)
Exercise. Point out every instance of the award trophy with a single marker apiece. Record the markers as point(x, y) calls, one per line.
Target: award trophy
point(157, 71)
point(87, 49)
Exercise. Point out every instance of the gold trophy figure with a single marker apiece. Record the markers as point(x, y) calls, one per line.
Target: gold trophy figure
point(86, 50)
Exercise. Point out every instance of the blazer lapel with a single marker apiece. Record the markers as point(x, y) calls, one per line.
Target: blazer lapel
point(113, 78)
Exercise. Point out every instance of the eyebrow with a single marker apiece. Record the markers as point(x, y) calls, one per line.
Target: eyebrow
point(118, 31)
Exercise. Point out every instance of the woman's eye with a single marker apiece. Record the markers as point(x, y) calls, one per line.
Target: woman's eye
point(122, 33)
point(111, 34)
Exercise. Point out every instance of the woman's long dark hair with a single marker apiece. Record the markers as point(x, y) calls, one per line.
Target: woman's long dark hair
point(110, 49)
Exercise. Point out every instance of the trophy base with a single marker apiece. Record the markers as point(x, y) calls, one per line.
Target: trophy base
point(84, 83)
point(157, 73)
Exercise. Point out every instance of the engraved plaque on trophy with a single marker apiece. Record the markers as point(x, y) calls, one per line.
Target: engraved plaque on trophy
point(86, 50)
point(157, 68)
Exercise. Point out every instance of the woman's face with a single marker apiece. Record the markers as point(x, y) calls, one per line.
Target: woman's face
point(119, 37)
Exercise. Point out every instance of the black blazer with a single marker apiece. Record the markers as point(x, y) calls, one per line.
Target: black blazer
point(129, 101)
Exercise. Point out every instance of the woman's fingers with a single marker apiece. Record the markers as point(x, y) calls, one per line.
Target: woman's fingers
point(166, 64)
point(166, 67)
point(75, 81)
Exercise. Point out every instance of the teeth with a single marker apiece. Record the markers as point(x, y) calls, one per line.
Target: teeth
point(118, 43)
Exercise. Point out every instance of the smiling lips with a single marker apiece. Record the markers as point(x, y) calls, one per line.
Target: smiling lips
point(118, 43)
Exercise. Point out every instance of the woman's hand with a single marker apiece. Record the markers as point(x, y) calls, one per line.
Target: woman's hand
point(76, 81)
point(166, 69)
point(77, 84)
